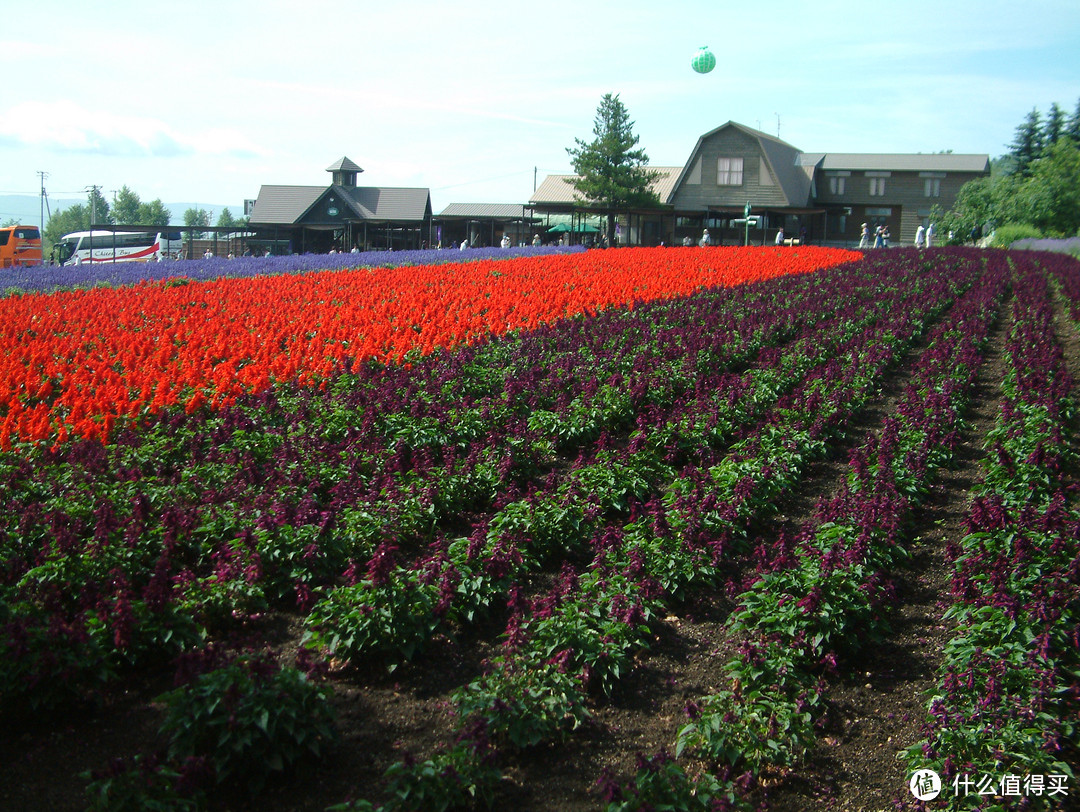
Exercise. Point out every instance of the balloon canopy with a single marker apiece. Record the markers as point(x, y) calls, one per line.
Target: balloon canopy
point(703, 60)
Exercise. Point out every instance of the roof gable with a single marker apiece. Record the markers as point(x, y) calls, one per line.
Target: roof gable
point(781, 158)
point(289, 205)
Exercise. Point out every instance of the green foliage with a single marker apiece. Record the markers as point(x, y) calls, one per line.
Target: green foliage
point(1028, 142)
point(126, 207)
point(393, 617)
point(661, 785)
point(752, 728)
point(612, 172)
point(1052, 197)
point(65, 221)
point(524, 703)
point(1038, 185)
point(147, 784)
point(46, 664)
point(226, 219)
point(459, 778)
point(195, 218)
point(455, 779)
point(1006, 235)
point(250, 719)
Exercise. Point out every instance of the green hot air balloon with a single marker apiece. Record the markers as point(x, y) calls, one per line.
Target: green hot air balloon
point(703, 60)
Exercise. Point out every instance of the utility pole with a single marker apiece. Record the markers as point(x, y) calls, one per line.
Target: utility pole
point(42, 174)
point(93, 191)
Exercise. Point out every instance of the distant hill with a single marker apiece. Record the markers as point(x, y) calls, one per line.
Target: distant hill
point(26, 209)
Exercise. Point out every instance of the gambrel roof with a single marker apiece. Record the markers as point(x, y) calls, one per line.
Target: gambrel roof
point(793, 179)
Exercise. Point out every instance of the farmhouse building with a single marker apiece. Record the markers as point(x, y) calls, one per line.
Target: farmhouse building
point(317, 219)
point(819, 197)
point(822, 198)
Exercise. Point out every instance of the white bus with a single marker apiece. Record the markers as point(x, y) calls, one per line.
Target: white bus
point(83, 247)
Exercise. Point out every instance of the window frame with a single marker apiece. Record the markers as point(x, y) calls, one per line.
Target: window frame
point(726, 176)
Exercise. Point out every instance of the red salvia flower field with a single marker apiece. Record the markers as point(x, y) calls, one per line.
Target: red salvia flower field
point(73, 362)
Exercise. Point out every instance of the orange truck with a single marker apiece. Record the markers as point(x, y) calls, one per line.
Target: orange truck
point(20, 245)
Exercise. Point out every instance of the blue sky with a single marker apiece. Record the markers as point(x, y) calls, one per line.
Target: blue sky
point(208, 101)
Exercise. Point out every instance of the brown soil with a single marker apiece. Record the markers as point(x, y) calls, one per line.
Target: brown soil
point(877, 704)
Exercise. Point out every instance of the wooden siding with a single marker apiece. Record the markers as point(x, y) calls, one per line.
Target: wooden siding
point(905, 195)
point(730, 142)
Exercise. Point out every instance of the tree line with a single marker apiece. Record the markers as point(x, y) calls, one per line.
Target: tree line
point(1033, 190)
point(127, 209)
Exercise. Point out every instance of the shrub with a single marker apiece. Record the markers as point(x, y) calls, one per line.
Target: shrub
point(1004, 236)
point(251, 718)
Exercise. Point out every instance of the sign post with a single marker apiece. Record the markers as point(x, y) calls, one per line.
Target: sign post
point(747, 221)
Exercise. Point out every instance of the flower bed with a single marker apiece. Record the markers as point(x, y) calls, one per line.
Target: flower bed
point(74, 362)
point(569, 485)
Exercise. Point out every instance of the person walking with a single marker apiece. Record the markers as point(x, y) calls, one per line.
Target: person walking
point(864, 238)
point(920, 236)
point(929, 235)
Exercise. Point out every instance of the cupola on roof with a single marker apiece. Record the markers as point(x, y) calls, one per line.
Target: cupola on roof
point(344, 172)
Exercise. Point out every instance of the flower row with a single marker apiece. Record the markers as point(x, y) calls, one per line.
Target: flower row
point(827, 594)
point(585, 632)
point(1008, 688)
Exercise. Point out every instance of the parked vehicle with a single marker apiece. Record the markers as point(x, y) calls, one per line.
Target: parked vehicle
point(20, 245)
point(115, 246)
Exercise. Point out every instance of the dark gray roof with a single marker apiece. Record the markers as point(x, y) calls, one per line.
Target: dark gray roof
point(487, 210)
point(388, 203)
point(343, 164)
point(906, 162)
point(286, 205)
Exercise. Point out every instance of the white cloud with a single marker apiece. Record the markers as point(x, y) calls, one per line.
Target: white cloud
point(69, 127)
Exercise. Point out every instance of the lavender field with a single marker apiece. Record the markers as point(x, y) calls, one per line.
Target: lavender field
point(51, 278)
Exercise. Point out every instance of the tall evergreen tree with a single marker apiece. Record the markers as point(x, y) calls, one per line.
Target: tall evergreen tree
point(612, 173)
point(226, 219)
point(1027, 144)
point(1054, 128)
point(1072, 127)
